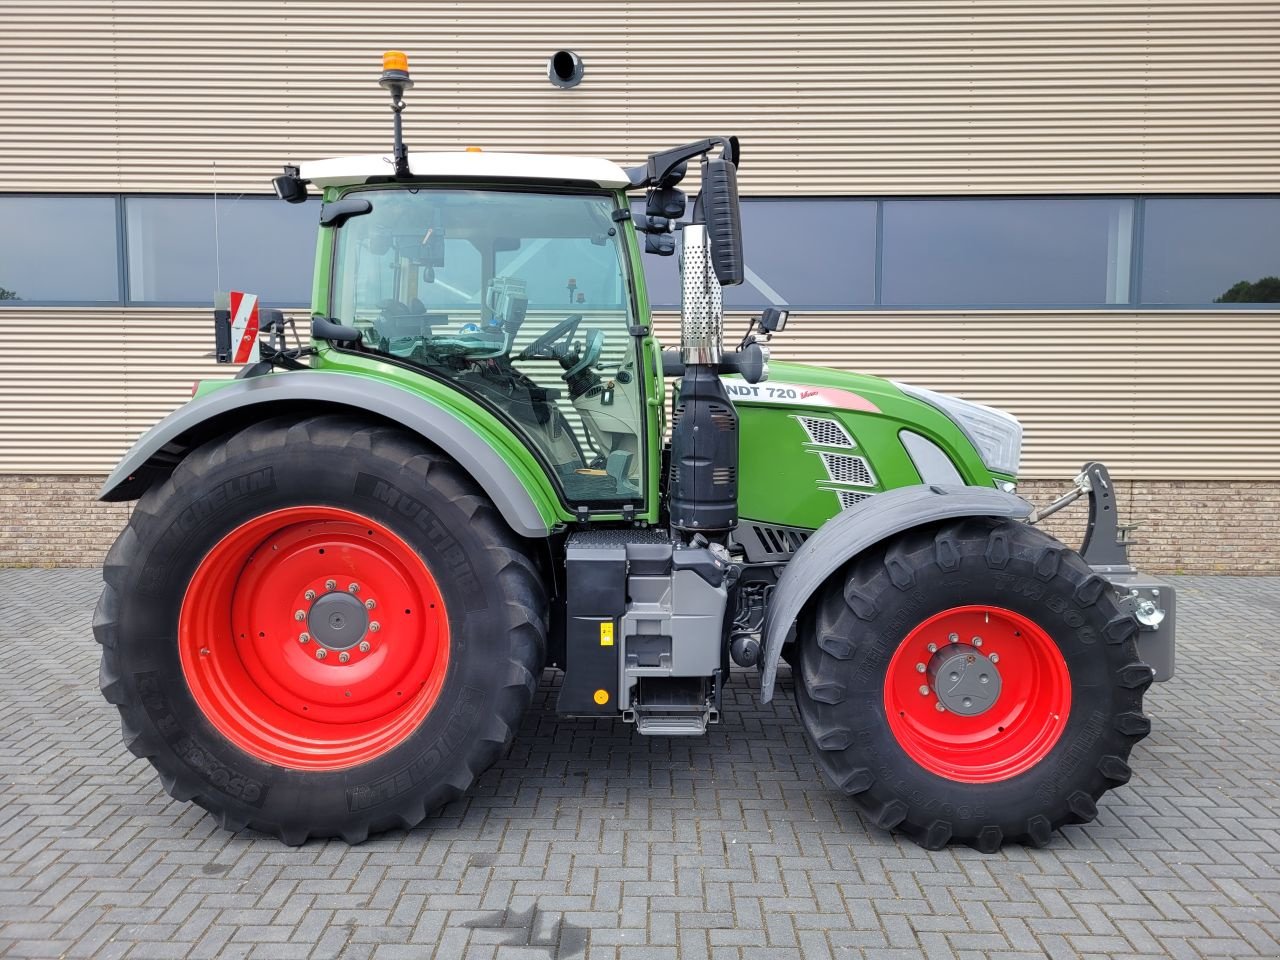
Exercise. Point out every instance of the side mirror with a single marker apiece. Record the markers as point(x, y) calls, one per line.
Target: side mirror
point(723, 214)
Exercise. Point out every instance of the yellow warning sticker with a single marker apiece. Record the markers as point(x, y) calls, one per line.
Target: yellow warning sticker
point(606, 634)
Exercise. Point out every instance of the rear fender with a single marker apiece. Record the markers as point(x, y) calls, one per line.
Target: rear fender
point(244, 401)
point(851, 532)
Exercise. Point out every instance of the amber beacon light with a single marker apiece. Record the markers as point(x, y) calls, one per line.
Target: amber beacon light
point(395, 70)
point(396, 80)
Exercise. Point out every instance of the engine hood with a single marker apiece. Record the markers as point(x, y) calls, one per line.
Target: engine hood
point(816, 440)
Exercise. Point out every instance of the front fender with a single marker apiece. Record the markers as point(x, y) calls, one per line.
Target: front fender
point(319, 391)
point(852, 531)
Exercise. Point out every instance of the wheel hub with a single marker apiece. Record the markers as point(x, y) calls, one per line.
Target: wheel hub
point(337, 621)
point(964, 680)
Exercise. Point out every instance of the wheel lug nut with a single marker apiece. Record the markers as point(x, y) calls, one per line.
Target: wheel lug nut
point(304, 638)
point(331, 584)
point(933, 648)
point(954, 638)
point(375, 626)
point(994, 657)
point(364, 646)
point(343, 657)
point(300, 615)
point(309, 595)
point(369, 604)
point(924, 690)
point(321, 653)
point(353, 587)
point(919, 668)
point(977, 641)
point(939, 707)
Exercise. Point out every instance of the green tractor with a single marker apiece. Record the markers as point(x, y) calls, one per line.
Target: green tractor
point(348, 567)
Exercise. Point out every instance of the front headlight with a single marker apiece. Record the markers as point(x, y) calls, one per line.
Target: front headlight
point(996, 435)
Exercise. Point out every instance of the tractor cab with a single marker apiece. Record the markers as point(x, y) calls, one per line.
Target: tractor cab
point(517, 293)
point(515, 281)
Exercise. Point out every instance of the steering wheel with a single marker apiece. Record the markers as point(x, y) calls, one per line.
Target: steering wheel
point(590, 354)
point(565, 328)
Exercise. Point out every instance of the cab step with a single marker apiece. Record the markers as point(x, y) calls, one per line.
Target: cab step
point(675, 706)
point(672, 725)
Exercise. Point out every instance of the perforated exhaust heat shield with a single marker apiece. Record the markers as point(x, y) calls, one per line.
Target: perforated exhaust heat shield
point(701, 304)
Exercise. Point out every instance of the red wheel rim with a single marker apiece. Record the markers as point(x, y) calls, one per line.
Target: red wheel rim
point(327, 689)
point(1011, 735)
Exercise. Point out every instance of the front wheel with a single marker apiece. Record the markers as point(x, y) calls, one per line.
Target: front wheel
point(319, 628)
point(974, 682)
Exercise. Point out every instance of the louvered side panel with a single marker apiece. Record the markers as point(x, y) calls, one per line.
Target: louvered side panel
point(966, 96)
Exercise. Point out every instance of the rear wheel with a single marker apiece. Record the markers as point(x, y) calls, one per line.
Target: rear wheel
point(319, 629)
point(974, 682)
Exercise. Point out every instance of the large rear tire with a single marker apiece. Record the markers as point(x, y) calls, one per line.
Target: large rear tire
point(319, 628)
point(974, 682)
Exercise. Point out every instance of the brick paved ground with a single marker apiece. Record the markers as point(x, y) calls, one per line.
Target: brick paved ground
point(591, 842)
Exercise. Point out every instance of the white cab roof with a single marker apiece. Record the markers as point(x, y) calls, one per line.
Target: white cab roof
point(341, 171)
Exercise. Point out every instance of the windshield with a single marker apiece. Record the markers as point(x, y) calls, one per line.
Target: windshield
point(521, 299)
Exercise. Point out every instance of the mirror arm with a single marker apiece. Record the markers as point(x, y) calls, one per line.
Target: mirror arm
point(322, 328)
point(659, 166)
point(337, 212)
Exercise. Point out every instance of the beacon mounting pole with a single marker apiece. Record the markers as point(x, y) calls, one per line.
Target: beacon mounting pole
point(396, 80)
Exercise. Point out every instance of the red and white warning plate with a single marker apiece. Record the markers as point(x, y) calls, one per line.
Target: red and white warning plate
point(244, 327)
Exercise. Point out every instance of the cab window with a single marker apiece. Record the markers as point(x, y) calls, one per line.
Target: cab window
point(520, 299)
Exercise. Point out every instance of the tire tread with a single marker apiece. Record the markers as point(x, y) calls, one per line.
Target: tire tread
point(526, 613)
point(828, 648)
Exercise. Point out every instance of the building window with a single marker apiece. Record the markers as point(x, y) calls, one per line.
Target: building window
point(59, 250)
point(179, 252)
point(811, 253)
point(1006, 252)
point(818, 254)
point(1211, 250)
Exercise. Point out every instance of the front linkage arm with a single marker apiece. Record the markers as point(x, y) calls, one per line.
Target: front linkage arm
point(1106, 549)
point(1106, 541)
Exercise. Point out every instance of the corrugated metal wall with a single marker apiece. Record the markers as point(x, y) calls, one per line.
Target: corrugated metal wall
point(963, 97)
point(882, 97)
point(1158, 396)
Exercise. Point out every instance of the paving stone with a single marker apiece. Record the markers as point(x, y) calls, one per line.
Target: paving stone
point(588, 841)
